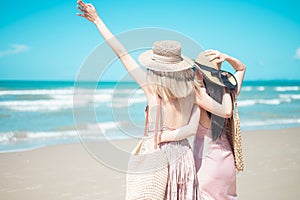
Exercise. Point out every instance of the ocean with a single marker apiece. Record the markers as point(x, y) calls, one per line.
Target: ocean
point(35, 114)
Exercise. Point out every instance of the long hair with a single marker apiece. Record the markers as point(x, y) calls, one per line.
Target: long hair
point(172, 85)
point(218, 124)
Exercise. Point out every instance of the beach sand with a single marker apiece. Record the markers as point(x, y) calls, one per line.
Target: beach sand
point(272, 170)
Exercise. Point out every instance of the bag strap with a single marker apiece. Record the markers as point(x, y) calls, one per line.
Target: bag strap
point(146, 121)
point(157, 118)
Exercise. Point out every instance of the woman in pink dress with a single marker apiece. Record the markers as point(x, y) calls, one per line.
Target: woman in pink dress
point(213, 155)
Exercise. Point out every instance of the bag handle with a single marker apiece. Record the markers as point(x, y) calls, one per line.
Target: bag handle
point(157, 118)
point(237, 138)
point(146, 121)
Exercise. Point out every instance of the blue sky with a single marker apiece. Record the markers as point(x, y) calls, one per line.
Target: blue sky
point(45, 40)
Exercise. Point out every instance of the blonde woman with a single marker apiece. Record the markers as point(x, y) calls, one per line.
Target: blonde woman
point(169, 81)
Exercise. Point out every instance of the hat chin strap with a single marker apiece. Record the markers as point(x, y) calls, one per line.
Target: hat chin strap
point(166, 60)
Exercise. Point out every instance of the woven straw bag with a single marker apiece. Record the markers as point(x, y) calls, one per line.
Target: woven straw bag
point(147, 174)
point(235, 138)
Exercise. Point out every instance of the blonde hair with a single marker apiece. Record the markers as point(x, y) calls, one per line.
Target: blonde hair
point(173, 85)
point(198, 84)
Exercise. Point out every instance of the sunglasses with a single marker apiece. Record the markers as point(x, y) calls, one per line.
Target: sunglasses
point(224, 77)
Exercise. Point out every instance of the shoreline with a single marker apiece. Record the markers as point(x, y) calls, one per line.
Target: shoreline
point(68, 171)
point(125, 139)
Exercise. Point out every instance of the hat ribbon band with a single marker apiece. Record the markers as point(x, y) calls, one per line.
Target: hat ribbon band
point(212, 71)
point(166, 60)
point(218, 73)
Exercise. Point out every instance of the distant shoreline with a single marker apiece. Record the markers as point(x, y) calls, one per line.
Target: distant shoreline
point(79, 141)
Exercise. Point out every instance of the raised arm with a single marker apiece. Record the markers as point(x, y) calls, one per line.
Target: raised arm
point(138, 74)
point(239, 67)
point(184, 131)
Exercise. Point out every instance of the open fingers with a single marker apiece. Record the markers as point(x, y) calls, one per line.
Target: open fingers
point(220, 60)
point(80, 8)
point(80, 15)
point(213, 57)
point(82, 4)
point(211, 52)
point(89, 5)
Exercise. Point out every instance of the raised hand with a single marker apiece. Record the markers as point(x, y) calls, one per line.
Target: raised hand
point(87, 10)
point(239, 67)
point(216, 55)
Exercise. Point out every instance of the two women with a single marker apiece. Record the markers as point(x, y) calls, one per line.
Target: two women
point(169, 82)
point(213, 153)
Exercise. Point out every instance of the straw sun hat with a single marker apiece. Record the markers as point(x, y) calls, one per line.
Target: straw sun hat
point(165, 56)
point(212, 72)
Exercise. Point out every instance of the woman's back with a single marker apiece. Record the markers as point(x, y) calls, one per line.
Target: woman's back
point(175, 113)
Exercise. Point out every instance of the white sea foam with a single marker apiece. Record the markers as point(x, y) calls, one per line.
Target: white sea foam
point(244, 103)
point(251, 88)
point(287, 88)
point(7, 137)
point(247, 88)
point(289, 96)
point(140, 91)
point(107, 95)
point(260, 88)
point(59, 99)
point(22, 149)
point(90, 130)
point(134, 100)
point(252, 102)
point(126, 102)
point(38, 92)
point(62, 102)
point(102, 98)
point(269, 101)
point(52, 135)
point(37, 105)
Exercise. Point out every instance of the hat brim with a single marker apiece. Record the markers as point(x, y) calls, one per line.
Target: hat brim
point(146, 59)
point(205, 60)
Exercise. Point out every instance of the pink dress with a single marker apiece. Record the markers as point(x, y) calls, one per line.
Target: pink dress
point(215, 166)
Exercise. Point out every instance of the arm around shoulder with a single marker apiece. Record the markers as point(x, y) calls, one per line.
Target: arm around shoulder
point(184, 131)
point(207, 103)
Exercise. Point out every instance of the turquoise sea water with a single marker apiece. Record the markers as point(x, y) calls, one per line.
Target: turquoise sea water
point(39, 113)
